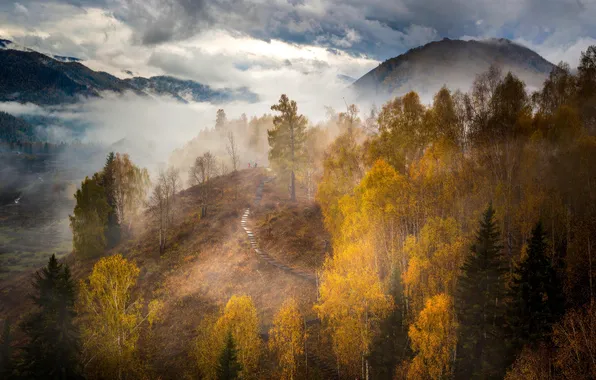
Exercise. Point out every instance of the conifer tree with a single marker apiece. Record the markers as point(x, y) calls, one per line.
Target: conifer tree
point(112, 231)
point(479, 306)
point(53, 348)
point(229, 368)
point(89, 219)
point(287, 138)
point(536, 294)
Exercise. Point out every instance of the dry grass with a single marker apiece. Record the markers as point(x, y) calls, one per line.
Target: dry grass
point(206, 262)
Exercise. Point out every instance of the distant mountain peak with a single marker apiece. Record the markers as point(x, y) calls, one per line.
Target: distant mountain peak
point(454, 63)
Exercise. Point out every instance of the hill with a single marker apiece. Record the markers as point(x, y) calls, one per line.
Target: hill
point(454, 63)
point(189, 91)
point(28, 76)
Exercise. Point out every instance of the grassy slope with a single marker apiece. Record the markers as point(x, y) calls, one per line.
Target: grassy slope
point(207, 261)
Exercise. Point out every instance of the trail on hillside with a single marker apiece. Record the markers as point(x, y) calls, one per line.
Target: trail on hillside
point(327, 371)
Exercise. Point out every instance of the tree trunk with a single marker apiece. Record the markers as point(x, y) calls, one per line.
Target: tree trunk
point(293, 186)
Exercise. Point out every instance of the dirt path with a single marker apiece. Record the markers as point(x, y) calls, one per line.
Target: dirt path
point(327, 371)
point(262, 254)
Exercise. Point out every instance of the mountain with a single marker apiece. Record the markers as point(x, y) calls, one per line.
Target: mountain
point(454, 63)
point(190, 91)
point(28, 76)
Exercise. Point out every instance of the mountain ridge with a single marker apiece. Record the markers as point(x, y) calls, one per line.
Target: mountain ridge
point(449, 62)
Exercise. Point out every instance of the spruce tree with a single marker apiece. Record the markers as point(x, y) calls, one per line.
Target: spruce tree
point(228, 367)
point(112, 230)
point(536, 294)
point(53, 347)
point(480, 307)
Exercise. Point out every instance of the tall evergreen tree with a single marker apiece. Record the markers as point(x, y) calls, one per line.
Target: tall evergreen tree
point(480, 306)
point(90, 217)
point(286, 139)
point(536, 294)
point(112, 230)
point(53, 347)
point(229, 368)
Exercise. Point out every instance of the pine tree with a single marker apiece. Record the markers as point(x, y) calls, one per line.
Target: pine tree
point(53, 348)
point(112, 231)
point(229, 368)
point(90, 218)
point(536, 294)
point(286, 139)
point(480, 306)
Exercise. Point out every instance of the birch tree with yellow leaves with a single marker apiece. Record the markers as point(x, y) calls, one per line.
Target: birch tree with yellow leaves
point(352, 303)
point(287, 338)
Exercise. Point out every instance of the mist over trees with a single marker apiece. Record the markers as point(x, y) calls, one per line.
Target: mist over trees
point(461, 244)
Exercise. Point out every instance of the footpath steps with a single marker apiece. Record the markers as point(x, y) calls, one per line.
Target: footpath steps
point(326, 371)
point(262, 254)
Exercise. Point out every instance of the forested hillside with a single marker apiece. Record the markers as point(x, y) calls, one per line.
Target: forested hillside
point(457, 244)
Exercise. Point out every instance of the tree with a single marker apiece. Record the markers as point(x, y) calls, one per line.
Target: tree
point(90, 218)
point(586, 86)
point(232, 149)
point(536, 294)
point(53, 349)
point(435, 259)
point(287, 138)
point(220, 120)
point(351, 304)
point(129, 188)
point(162, 203)
point(107, 182)
point(200, 174)
point(433, 339)
point(209, 344)
point(111, 318)
point(287, 338)
point(480, 305)
point(228, 367)
point(240, 319)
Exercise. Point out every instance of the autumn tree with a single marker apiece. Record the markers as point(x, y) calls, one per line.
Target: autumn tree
point(111, 318)
point(239, 319)
point(203, 170)
point(53, 347)
point(286, 139)
point(480, 304)
point(90, 218)
point(129, 188)
point(351, 304)
point(232, 149)
point(433, 339)
point(434, 262)
point(287, 338)
point(162, 204)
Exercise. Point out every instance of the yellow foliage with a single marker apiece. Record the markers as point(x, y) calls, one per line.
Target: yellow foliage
point(110, 318)
point(433, 338)
point(239, 318)
point(352, 302)
point(287, 338)
point(435, 259)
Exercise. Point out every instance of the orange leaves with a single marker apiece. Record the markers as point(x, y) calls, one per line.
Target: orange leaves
point(287, 338)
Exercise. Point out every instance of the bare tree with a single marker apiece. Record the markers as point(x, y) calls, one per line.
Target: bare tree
point(232, 149)
point(203, 169)
point(162, 203)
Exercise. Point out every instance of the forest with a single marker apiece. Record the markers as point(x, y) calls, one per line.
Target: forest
point(460, 244)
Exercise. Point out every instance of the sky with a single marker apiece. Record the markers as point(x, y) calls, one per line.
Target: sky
point(231, 43)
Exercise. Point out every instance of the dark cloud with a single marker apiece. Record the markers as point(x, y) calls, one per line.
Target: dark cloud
point(378, 28)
